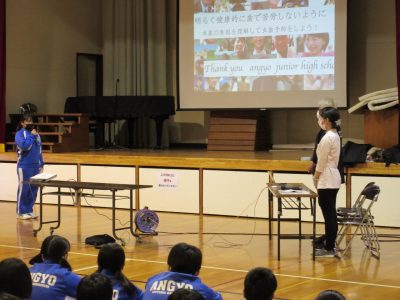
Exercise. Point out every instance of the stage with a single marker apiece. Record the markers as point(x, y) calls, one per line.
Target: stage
point(274, 160)
point(199, 159)
point(207, 182)
point(220, 205)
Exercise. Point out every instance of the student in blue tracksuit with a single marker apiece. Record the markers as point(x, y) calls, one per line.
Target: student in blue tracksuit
point(260, 283)
point(51, 281)
point(15, 278)
point(111, 261)
point(184, 263)
point(30, 163)
point(95, 287)
point(185, 294)
point(39, 258)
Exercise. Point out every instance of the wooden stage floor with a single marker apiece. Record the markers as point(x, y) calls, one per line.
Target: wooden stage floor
point(239, 160)
point(229, 249)
point(280, 160)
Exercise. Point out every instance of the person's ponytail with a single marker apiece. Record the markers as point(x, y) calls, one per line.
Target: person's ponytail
point(126, 284)
point(57, 250)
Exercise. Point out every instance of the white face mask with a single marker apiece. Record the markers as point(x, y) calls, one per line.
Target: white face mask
point(320, 120)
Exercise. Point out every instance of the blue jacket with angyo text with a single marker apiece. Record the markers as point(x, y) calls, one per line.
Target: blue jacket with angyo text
point(119, 293)
point(160, 286)
point(50, 281)
point(29, 148)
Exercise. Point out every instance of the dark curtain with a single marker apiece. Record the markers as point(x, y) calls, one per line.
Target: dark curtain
point(398, 50)
point(2, 72)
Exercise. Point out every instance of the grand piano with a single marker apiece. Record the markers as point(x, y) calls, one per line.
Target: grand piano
point(108, 109)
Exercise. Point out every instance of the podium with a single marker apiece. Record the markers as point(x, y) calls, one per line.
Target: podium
point(239, 131)
point(381, 127)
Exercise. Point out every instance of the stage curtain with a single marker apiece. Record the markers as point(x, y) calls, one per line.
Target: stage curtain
point(2, 74)
point(135, 55)
point(398, 50)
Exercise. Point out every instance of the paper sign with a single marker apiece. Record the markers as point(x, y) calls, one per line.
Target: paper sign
point(168, 179)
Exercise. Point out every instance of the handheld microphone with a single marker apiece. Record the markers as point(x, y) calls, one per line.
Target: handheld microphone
point(29, 127)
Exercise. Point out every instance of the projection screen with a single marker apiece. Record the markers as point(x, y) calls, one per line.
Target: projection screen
point(261, 54)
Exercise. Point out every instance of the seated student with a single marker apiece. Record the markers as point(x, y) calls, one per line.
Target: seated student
point(15, 278)
point(43, 253)
point(95, 286)
point(7, 296)
point(184, 294)
point(330, 295)
point(184, 262)
point(50, 280)
point(260, 283)
point(111, 261)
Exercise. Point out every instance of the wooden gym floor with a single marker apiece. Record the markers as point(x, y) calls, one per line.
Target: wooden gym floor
point(229, 249)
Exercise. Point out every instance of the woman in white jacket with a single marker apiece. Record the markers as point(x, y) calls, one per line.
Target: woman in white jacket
point(327, 178)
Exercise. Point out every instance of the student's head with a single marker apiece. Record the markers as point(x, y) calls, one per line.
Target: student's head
point(293, 3)
point(95, 286)
point(330, 295)
point(15, 278)
point(7, 296)
point(111, 257)
point(44, 253)
point(273, 3)
point(240, 44)
point(258, 42)
point(281, 44)
point(208, 2)
point(185, 258)
point(317, 42)
point(43, 250)
point(329, 117)
point(224, 84)
point(212, 83)
point(199, 66)
point(238, 7)
point(260, 5)
point(24, 120)
point(185, 294)
point(260, 284)
point(57, 249)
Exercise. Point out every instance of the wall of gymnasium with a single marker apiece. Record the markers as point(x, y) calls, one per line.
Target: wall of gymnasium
point(371, 67)
point(43, 37)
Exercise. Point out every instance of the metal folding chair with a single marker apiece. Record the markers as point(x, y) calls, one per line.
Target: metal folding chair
point(360, 216)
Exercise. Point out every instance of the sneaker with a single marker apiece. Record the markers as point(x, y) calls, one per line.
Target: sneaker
point(24, 217)
point(318, 244)
point(32, 215)
point(325, 253)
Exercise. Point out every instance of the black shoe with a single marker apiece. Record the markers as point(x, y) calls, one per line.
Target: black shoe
point(322, 238)
point(318, 245)
point(319, 242)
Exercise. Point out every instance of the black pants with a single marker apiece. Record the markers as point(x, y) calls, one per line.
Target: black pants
point(327, 203)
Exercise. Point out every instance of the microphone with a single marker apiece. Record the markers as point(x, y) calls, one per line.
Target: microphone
point(29, 127)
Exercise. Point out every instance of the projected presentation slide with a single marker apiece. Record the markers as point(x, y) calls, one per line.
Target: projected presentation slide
point(253, 45)
point(256, 54)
